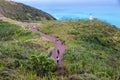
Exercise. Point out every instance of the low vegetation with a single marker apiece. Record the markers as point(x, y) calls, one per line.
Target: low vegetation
point(92, 51)
point(92, 48)
point(20, 57)
point(21, 12)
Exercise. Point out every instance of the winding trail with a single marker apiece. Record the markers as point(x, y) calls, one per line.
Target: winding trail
point(59, 46)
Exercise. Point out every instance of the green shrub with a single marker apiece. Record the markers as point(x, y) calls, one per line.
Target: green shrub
point(42, 65)
point(15, 64)
point(10, 31)
point(9, 74)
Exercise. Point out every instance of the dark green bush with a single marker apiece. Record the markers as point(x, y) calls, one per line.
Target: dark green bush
point(9, 74)
point(15, 64)
point(42, 65)
point(10, 32)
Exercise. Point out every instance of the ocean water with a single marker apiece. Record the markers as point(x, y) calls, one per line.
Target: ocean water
point(105, 10)
point(109, 14)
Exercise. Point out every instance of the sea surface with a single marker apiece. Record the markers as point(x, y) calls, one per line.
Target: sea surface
point(109, 14)
point(105, 10)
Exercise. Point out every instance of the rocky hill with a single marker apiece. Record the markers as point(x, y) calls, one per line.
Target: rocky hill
point(22, 12)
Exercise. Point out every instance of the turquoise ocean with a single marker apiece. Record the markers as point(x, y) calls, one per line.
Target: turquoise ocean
point(105, 10)
point(109, 14)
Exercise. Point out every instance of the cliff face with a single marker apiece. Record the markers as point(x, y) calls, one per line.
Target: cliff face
point(19, 11)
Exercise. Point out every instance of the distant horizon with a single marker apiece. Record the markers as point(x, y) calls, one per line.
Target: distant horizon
point(106, 10)
point(69, 2)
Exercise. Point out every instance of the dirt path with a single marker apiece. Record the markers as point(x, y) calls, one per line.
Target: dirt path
point(59, 46)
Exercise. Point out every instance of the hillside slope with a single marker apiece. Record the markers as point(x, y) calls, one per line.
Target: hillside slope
point(19, 11)
point(93, 48)
point(92, 51)
point(17, 47)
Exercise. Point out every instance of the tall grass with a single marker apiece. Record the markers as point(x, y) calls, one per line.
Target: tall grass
point(91, 48)
point(92, 52)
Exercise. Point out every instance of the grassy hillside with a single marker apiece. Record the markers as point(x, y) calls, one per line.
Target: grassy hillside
point(19, 48)
point(92, 51)
point(19, 11)
point(92, 48)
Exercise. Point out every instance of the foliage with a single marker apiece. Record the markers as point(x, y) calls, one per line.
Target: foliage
point(91, 47)
point(8, 74)
point(12, 32)
point(21, 12)
point(92, 51)
point(42, 65)
point(16, 48)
